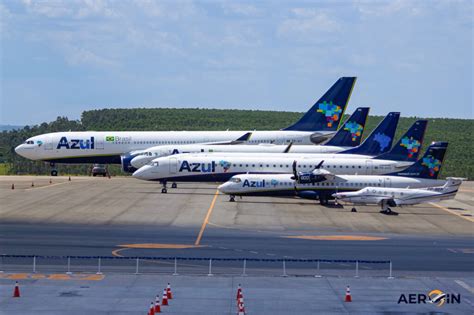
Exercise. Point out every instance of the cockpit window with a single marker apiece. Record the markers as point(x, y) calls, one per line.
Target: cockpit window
point(29, 142)
point(236, 180)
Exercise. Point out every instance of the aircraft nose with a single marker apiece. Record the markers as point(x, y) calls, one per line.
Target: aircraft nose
point(138, 162)
point(142, 173)
point(19, 150)
point(223, 188)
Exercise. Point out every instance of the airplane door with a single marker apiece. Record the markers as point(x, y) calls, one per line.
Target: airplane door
point(99, 143)
point(49, 143)
point(388, 182)
point(369, 167)
point(173, 165)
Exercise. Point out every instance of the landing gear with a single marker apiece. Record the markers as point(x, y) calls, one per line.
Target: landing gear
point(323, 200)
point(231, 198)
point(164, 190)
point(388, 211)
point(353, 209)
point(174, 185)
point(54, 171)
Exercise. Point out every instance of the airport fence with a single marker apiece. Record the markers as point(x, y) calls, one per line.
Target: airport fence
point(196, 266)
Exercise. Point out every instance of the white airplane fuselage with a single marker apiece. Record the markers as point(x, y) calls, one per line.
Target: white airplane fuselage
point(284, 184)
point(222, 166)
point(107, 147)
point(402, 196)
point(146, 156)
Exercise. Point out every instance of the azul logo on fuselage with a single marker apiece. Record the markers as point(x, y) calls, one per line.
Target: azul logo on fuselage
point(76, 144)
point(253, 183)
point(198, 167)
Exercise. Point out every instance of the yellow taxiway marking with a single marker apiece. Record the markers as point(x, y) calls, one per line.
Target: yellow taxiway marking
point(196, 244)
point(206, 219)
point(452, 212)
point(47, 186)
point(54, 276)
point(337, 237)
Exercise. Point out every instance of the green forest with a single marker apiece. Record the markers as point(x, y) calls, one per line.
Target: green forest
point(458, 132)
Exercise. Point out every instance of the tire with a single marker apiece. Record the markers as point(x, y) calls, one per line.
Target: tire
point(54, 173)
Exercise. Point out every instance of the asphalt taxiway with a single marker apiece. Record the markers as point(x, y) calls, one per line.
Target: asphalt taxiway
point(125, 217)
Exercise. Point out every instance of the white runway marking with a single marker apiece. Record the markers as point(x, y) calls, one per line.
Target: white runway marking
point(465, 285)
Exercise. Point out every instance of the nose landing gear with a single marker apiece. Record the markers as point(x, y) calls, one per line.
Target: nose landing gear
point(164, 190)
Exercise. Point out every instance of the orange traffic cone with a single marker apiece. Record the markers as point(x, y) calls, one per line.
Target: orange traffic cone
point(50, 181)
point(240, 301)
point(239, 291)
point(13, 186)
point(348, 295)
point(157, 304)
point(241, 309)
point(16, 292)
point(152, 309)
point(69, 178)
point(165, 298)
point(32, 184)
point(168, 292)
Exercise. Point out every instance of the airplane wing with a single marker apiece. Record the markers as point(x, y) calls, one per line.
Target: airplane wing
point(287, 149)
point(240, 140)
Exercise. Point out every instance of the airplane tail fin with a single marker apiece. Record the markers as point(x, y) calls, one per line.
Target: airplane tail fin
point(380, 140)
point(409, 146)
point(326, 113)
point(350, 134)
point(429, 165)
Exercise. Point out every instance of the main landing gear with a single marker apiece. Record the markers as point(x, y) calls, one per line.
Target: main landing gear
point(232, 198)
point(174, 185)
point(386, 209)
point(353, 209)
point(54, 171)
point(323, 200)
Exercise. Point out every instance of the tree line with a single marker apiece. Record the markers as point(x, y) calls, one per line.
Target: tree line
point(458, 132)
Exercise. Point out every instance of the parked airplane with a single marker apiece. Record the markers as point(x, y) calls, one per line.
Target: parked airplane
point(422, 174)
point(349, 135)
point(222, 166)
point(395, 197)
point(317, 125)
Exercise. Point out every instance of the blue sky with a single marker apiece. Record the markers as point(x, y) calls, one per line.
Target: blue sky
point(63, 57)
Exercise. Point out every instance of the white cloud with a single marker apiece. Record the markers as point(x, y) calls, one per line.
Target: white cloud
point(78, 9)
point(386, 8)
point(167, 9)
point(243, 9)
point(307, 22)
point(79, 56)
